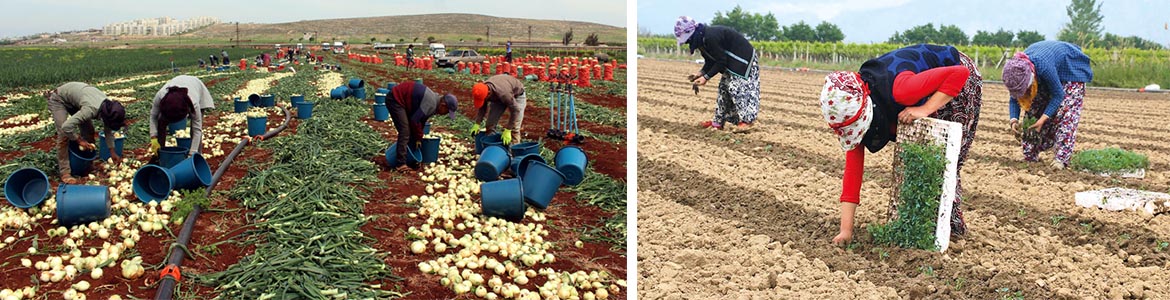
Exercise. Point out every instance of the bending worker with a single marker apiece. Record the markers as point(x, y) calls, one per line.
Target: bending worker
point(502, 92)
point(183, 97)
point(411, 105)
point(74, 106)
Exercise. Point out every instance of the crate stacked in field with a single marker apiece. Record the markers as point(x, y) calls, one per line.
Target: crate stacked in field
point(563, 110)
point(926, 158)
point(545, 69)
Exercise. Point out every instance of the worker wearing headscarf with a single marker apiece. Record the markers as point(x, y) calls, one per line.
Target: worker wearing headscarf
point(181, 98)
point(1047, 82)
point(74, 107)
point(726, 52)
point(863, 109)
point(495, 95)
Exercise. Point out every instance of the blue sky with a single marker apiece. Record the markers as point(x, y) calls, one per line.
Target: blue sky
point(877, 20)
point(23, 17)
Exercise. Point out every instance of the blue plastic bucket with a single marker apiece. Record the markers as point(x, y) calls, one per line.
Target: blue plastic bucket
point(254, 100)
point(381, 113)
point(526, 148)
point(482, 140)
point(418, 80)
point(176, 126)
point(503, 199)
point(305, 110)
point(80, 161)
point(412, 155)
point(520, 163)
point(192, 173)
point(153, 183)
point(184, 143)
point(571, 161)
point(339, 92)
point(297, 99)
point(540, 184)
point(241, 105)
point(427, 128)
point(257, 126)
point(390, 86)
point(170, 156)
point(104, 151)
point(357, 84)
point(382, 91)
point(26, 187)
point(268, 100)
point(492, 162)
point(80, 204)
point(379, 98)
point(430, 149)
point(359, 94)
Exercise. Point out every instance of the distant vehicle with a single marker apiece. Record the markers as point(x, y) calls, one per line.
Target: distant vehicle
point(325, 46)
point(277, 46)
point(300, 46)
point(438, 50)
point(456, 56)
point(381, 46)
point(339, 47)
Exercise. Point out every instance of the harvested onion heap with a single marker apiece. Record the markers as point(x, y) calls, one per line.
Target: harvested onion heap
point(260, 86)
point(25, 118)
point(87, 251)
point(486, 256)
point(327, 81)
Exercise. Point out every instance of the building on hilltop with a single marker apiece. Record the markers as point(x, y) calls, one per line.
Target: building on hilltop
point(157, 26)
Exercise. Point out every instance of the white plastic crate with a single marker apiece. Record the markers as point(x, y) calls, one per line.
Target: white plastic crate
point(1115, 199)
point(950, 136)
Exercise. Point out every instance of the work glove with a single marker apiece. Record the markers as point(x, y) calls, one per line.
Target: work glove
point(474, 130)
point(507, 136)
point(154, 146)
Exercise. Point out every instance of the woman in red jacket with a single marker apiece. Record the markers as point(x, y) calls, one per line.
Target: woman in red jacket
point(863, 109)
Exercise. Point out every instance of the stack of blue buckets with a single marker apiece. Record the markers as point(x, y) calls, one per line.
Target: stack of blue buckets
point(428, 153)
point(356, 88)
point(536, 182)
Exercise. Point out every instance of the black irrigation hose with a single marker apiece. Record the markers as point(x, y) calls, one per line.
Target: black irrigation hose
point(166, 286)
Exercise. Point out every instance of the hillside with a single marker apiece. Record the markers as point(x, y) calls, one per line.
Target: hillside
point(444, 27)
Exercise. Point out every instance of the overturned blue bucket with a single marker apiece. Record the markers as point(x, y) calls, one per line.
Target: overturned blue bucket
point(520, 164)
point(296, 99)
point(241, 105)
point(357, 83)
point(192, 172)
point(540, 184)
point(503, 199)
point(379, 98)
point(412, 156)
point(268, 100)
point(526, 148)
point(381, 113)
point(80, 204)
point(359, 94)
point(430, 149)
point(492, 162)
point(254, 100)
point(305, 110)
point(153, 183)
point(104, 151)
point(339, 92)
point(80, 161)
point(571, 161)
point(176, 126)
point(482, 140)
point(26, 187)
point(257, 126)
point(184, 143)
point(170, 156)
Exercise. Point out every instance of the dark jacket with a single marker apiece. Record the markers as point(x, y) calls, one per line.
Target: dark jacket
point(879, 74)
point(723, 49)
point(418, 104)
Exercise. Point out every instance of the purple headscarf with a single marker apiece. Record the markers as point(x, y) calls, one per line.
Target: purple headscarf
point(1018, 74)
point(684, 28)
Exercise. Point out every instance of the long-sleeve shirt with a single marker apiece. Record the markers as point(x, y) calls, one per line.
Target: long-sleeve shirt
point(200, 99)
point(419, 102)
point(502, 89)
point(879, 75)
point(723, 49)
point(1056, 63)
point(83, 98)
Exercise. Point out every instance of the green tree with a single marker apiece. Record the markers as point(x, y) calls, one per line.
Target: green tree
point(754, 26)
point(829, 32)
point(1028, 37)
point(567, 38)
point(1084, 26)
point(917, 34)
point(430, 39)
point(591, 40)
point(800, 31)
point(1002, 38)
point(982, 38)
point(951, 35)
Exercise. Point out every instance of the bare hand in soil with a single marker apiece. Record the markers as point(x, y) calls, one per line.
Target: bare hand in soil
point(1039, 123)
point(843, 238)
point(700, 81)
point(117, 159)
point(1015, 126)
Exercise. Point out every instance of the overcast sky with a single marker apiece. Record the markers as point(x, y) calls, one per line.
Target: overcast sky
point(23, 17)
point(877, 20)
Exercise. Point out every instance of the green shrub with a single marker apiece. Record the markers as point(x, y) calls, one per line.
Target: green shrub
point(922, 173)
point(1108, 160)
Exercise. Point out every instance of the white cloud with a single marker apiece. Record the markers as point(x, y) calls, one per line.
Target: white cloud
point(827, 10)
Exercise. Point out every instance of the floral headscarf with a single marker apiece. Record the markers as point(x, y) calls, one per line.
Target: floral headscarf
point(847, 108)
